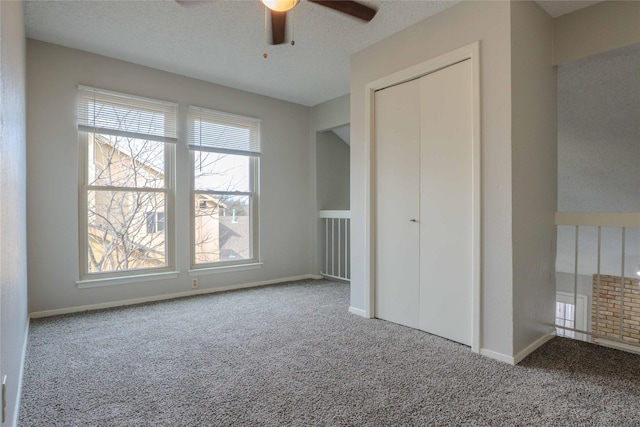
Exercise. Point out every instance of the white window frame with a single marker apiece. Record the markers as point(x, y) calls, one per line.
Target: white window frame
point(92, 279)
point(195, 145)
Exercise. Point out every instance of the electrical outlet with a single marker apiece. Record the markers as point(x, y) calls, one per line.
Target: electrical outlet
point(194, 283)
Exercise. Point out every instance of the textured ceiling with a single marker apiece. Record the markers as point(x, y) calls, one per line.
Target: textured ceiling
point(223, 41)
point(557, 8)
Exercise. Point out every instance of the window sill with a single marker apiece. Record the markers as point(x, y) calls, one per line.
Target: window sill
point(110, 281)
point(223, 269)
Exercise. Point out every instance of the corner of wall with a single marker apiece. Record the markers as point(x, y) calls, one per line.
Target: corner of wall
point(534, 175)
point(330, 114)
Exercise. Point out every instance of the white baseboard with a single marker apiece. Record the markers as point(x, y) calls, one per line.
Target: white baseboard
point(497, 356)
point(533, 346)
point(23, 359)
point(358, 312)
point(514, 360)
point(111, 304)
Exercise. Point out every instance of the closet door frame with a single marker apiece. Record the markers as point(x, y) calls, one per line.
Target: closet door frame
point(469, 52)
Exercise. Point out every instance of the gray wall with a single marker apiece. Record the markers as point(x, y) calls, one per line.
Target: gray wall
point(534, 168)
point(322, 117)
point(332, 164)
point(600, 28)
point(598, 136)
point(13, 219)
point(566, 283)
point(330, 114)
point(598, 156)
point(599, 133)
point(52, 172)
point(518, 158)
point(332, 179)
point(457, 26)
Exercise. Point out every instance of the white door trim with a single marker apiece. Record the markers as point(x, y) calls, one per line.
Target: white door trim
point(581, 320)
point(471, 52)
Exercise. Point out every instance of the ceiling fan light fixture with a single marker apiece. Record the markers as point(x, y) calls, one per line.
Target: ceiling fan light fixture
point(280, 5)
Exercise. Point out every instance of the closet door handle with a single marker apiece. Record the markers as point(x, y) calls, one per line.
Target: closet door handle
point(413, 220)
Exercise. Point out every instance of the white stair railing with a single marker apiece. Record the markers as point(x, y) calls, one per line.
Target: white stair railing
point(336, 228)
point(605, 246)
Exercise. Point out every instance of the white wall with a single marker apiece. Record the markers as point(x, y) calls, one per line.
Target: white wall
point(534, 168)
point(488, 22)
point(13, 220)
point(52, 175)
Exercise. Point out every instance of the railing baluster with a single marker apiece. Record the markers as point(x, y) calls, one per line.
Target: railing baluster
point(622, 285)
point(347, 271)
point(326, 245)
point(602, 330)
point(336, 244)
point(575, 279)
point(333, 244)
point(598, 283)
point(339, 240)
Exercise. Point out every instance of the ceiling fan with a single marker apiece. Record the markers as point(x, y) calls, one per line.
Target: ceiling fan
point(279, 9)
point(278, 13)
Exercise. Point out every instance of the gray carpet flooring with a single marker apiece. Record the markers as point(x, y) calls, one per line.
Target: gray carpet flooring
point(291, 354)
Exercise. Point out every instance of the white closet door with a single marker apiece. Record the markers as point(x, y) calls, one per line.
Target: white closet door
point(446, 203)
point(397, 173)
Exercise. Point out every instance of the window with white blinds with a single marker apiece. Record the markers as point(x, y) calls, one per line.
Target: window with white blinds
point(220, 132)
point(127, 146)
point(225, 158)
point(102, 111)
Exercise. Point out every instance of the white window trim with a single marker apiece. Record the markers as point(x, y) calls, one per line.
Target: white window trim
point(254, 224)
point(254, 196)
point(142, 277)
point(87, 279)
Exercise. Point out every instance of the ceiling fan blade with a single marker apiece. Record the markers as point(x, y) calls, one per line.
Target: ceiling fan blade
point(278, 27)
point(351, 8)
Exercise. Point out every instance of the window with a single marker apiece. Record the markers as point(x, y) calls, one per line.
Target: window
point(127, 145)
point(225, 156)
point(571, 313)
point(565, 313)
point(155, 222)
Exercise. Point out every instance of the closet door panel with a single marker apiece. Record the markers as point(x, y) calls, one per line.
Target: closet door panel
point(446, 210)
point(397, 179)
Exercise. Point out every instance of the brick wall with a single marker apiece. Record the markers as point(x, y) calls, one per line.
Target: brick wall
point(607, 322)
